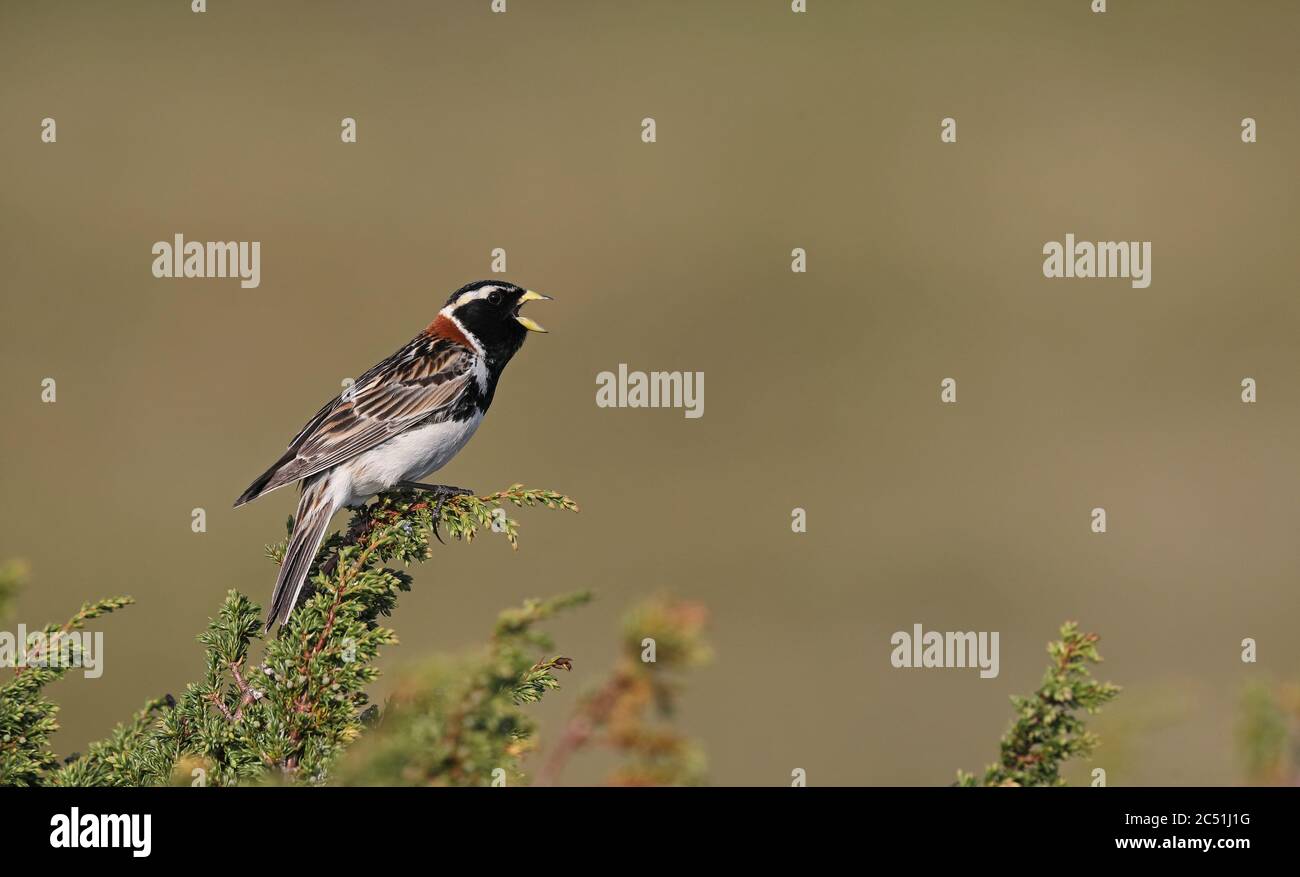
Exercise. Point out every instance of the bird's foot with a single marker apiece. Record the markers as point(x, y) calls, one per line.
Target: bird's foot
point(443, 492)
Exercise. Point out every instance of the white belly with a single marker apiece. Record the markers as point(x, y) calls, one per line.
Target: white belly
point(406, 457)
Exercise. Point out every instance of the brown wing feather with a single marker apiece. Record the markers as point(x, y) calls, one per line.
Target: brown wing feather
point(420, 382)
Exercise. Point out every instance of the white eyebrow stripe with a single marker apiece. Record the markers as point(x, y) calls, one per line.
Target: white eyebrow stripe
point(475, 294)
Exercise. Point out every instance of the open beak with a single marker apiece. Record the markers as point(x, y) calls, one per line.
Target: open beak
point(527, 322)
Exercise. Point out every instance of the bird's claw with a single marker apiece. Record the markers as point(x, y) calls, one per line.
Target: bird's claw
point(444, 493)
point(437, 514)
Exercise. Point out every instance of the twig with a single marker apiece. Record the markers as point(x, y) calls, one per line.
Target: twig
point(581, 727)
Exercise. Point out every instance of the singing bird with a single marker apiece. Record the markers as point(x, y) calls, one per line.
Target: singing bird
point(401, 420)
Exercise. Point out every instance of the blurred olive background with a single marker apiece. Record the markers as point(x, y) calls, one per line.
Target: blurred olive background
point(775, 131)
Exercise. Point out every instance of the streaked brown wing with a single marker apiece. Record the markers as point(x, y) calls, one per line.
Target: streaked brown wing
point(420, 382)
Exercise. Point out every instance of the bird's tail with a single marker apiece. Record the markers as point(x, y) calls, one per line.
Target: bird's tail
point(314, 512)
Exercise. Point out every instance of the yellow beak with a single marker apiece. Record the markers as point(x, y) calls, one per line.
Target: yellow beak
point(527, 322)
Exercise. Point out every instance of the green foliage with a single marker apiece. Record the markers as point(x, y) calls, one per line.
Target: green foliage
point(292, 715)
point(12, 575)
point(1048, 729)
point(129, 757)
point(629, 713)
point(288, 716)
point(1269, 733)
point(27, 717)
point(457, 721)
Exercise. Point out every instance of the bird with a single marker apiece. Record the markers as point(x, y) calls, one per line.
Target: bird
point(403, 419)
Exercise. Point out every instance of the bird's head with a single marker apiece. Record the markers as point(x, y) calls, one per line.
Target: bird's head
point(488, 312)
